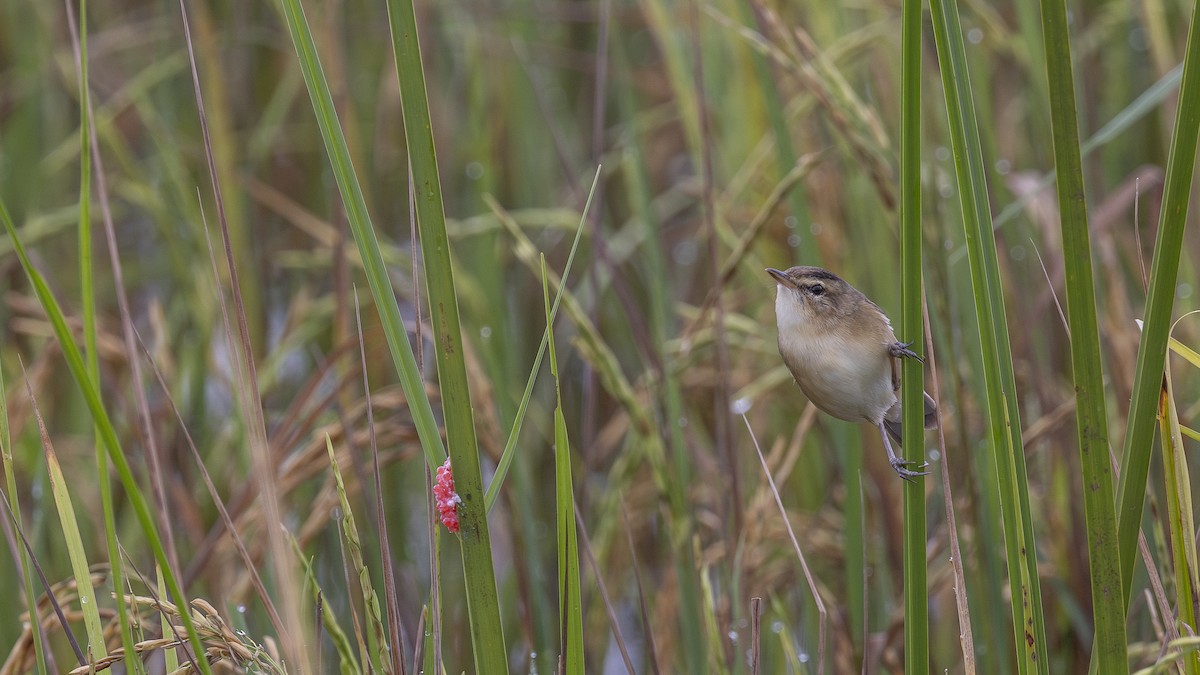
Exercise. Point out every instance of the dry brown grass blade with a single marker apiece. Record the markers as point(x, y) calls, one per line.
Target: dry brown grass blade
point(647, 626)
point(808, 577)
point(608, 607)
point(281, 558)
point(215, 495)
point(965, 635)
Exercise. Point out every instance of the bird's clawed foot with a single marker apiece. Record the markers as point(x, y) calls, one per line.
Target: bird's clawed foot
point(901, 350)
point(902, 470)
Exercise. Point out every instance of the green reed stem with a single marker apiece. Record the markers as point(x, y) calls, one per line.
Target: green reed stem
point(916, 596)
point(1091, 421)
point(1164, 269)
point(1003, 413)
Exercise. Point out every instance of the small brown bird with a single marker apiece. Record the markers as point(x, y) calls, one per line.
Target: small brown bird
point(842, 351)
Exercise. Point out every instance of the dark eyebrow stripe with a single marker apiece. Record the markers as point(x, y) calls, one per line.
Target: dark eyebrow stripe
point(821, 274)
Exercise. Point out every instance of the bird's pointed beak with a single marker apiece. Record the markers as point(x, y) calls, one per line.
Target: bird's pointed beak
point(781, 277)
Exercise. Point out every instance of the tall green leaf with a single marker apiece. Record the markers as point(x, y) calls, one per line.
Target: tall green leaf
point(1164, 268)
point(482, 601)
point(483, 607)
point(570, 617)
point(1104, 559)
point(364, 233)
point(1003, 414)
point(26, 564)
point(916, 595)
point(1179, 517)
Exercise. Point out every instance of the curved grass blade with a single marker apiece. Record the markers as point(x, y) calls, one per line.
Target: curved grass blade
point(70, 531)
point(1152, 350)
point(506, 458)
point(108, 434)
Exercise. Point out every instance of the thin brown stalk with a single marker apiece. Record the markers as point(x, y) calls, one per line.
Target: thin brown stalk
point(251, 401)
point(419, 642)
point(246, 494)
point(215, 495)
point(239, 364)
point(808, 577)
point(637, 578)
point(866, 598)
point(1049, 284)
point(965, 636)
point(1170, 629)
point(166, 618)
point(608, 607)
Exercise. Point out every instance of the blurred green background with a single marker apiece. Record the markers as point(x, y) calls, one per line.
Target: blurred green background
point(732, 136)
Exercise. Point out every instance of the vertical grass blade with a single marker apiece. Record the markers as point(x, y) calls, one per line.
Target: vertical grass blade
point(75, 552)
point(1179, 517)
point(482, 602)
point(87, 299)
point(570, 617)
point(1003, 414)
point(10, 478)
point(381, 660)
point(1164, 268)
point(329, 620)
point(916, 596)
point(1104, 561)
point(88, 302)
point(364, 233)
point(510, 446)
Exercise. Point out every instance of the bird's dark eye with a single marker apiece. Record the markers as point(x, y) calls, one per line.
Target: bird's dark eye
point(815, 289)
